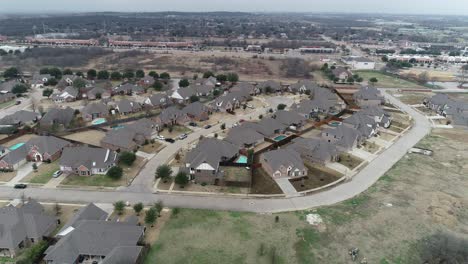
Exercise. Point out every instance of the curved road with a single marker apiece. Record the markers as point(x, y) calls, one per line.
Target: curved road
point(361, 182)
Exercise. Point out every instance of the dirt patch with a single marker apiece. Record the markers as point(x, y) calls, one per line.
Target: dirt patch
point(92, 137)
point(7, 176)
point(262, 183)
point(318, 176)
point(151, 148)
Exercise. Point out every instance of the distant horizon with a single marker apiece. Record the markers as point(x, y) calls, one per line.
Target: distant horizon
point(395, 7)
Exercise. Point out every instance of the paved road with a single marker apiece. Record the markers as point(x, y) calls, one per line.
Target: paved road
point(361, 182)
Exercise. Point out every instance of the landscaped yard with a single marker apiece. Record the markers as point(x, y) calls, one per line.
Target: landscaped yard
point(318, 176)
point(43, 174)
point(387, 81)
point(262, 183)
point(349, 160)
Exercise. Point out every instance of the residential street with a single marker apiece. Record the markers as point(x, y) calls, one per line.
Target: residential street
point(139, 191)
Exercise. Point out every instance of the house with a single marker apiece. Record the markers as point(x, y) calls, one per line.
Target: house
point(126, 107)
point(98, 93)
point(7, 87)
point(359, 63)
point(57, 116)
point(324, 101)
point(197, 111)
point(203, 162)
point(303, 86)
point(130, 136)
point(88, 212)
point(39, 80)
point(456, 111)
point(98, 241)
point(246, 88)
point(21, 227)
point(283, 163)
point(365, 125)
point(290, 118)
point(6, 97)
point(182, 95)
point(211, 81)
point(315, 150)
point(342, 73)
point(94, 110)
point(86, 161)
point(368, 96)
point(146, 81)
point(69, 94)
point(268, 127)
point(437, 102)
point(129, 89)
point(230, 101)
point(159, 100)
point(69, 80)
point(380, 116)
point(42, 148)
point(270, 86)
point(344, 137)
point(171, 116)
point(203, 90)
point(244, 137)
point(20, 118)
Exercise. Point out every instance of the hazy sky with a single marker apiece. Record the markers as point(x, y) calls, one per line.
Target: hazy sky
point(367, 6)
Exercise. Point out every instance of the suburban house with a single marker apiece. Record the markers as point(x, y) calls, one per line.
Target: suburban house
point(246, 88)
point(69, 80)
point(437, 102)
point(126, 107)
point(6, 97)
point(324, 101)
point(86, 161)
point(457, 112)
point(368, 96)
point(303, 86)
point(98, 93)
point(230, 101)
point(182, 95)
point(315, 150)
point(344, 137)
point(98, 241)
point(342, 73)
point(130, 136)
point(359, 63)
point(365, 125)
point(197, 111)
point(268, 127)
point(380, 116)
point(273, 86)
point(211, 81)
point(283, 163)
point(171, 116)
point(129, 89)
point(290, 118)
point(58, 116)
point(21, 227)
point(20, 118)
point(69, 94)
point(88, 212)
point(159, 100)
point(94, 110)
point(244, 137)
point(7, 87)
point(203, 162)
point(39, 80)
point(146, 81)
point(37, 149)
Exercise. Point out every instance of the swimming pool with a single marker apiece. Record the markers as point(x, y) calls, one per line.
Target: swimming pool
point(16, 146)
point(98, 121)
point(279, 138)
point(242, 159)
point(334, 123)
point(117, 127)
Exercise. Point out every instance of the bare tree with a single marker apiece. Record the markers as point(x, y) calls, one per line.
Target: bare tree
point(463, 75)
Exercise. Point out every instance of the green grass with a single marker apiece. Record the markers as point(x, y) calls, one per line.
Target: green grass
point(45, 174)
point(93, 180)
point(387, 81)
point(7, 104)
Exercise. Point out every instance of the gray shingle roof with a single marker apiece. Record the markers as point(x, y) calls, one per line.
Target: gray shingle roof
point(346, 136)
point(289, 118)
point(196, 109)
point(128, 87)
point(88, 157)
point(127, 106)
point(368, 93)
point(211, 151)
point(88, 212)
point(267, 126)
point(241, 136)
point(283, 157)
point(59, 116)
point(314, 148)
point(95, 108)
point(21, 116)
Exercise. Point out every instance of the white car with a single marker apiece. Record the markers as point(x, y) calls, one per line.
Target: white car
point(183, 136)
point(160, 137)
point(57, 174)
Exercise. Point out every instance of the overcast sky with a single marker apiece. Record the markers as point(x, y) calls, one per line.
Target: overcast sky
point(364, 6)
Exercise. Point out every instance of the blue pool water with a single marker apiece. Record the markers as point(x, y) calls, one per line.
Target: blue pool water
point(279, 138)
point(334, 123)
point(98, 121)
point(118, 127)
point(16, 146)
point(242, 159)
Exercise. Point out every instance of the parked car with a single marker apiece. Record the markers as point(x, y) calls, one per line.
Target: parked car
point(57, 174)
point(170, 140)
point(250, 106)
point(192, 124)
point(18, 102)
point(241, 121)
point(183, 136)
point(160, 137)
point(20, 186)
point(207, 126)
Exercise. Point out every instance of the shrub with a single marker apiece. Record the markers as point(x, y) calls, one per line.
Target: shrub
point(127, 158)
point(119, 207)
point(115, 173)
point(181, 179)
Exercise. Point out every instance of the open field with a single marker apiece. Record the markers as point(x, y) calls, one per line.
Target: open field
point(386, 81)
point(395, 221)
point(433, 74)
point(92, 137)
point(412, 98)
point(318, 176)
point(43, 174)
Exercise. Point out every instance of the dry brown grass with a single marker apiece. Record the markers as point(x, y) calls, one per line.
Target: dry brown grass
point(92, 137)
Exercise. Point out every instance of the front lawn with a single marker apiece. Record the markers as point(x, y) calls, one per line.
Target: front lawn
point(43, 174)
point(262, 183)
point(317, 177)
point(94, 180)
point(349, 160)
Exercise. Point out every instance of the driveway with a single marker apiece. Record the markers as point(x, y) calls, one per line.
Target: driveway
point(361, 182)
point(21, 173)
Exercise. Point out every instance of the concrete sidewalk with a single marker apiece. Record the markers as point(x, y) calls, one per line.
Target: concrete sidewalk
point(22, 172)
point(286, 186)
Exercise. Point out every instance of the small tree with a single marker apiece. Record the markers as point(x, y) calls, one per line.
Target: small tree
point(138, 207)
point(184, 83)
point(34, 166)
point(103, 75)
point(119, 207)
point(51, 82)
point(57, 209)
point(181, 179)
point(221, 78)
point(373, 80)
point(153, 74)
point(127, 158)
point(91, 74)
point(260, 117)
point(116, 76)
point(164, 172)
point(232, 77)
point(194, 99)
point(223, 126)
point(11, 73)
point(165, 76)
point(140, 74)
point(47, 92)
point(157, 85)
point(150, 217)
point(208, 74)
point(128, 74)
point(67, 72)
point(19, 89)
point(281, 107)
point(158, 207)
point(115, 173)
